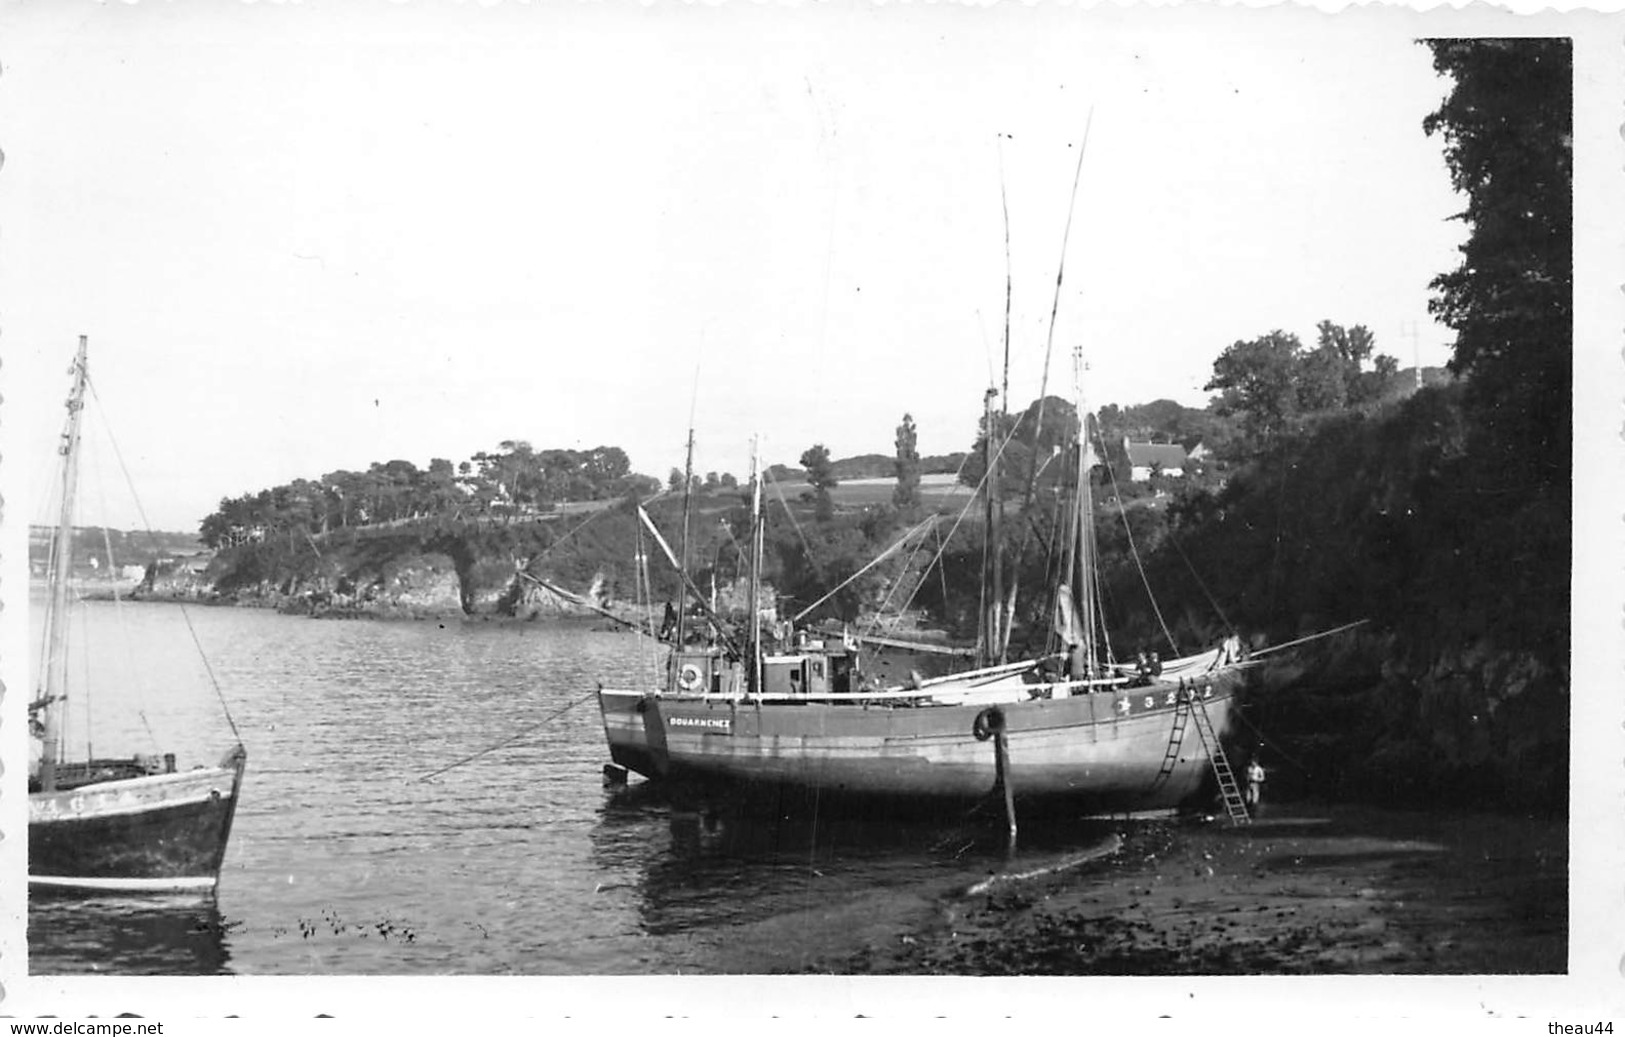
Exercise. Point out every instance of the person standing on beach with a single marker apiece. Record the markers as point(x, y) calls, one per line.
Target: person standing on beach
point(1255, 784)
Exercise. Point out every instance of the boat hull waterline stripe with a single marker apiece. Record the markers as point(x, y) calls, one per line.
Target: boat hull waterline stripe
point(178, 884)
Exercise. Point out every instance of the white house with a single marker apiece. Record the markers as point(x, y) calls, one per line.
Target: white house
point(1164, 458)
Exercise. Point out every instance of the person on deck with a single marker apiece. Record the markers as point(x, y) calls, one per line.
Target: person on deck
point(1142, 667)
point(1255, 785)
point(1077, 667)
point(669, 623)
point(1156, 665)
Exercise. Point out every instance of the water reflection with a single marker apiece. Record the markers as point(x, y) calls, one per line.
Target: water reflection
point(339, 849)
point(703, 863)
point(181, 935)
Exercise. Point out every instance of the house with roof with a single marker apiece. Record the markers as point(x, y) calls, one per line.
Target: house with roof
point(1146, 458)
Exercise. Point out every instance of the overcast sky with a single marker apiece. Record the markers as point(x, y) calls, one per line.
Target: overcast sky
point(304, 239)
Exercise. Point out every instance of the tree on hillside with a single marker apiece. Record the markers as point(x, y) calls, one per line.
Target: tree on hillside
point(1508, 134)
point(441, 490)
point(605, 468)
point(514, 475)
point(907, 493)
point(821, 477)
point(1255, 383)
point(1035, 435)
point(1273, 385)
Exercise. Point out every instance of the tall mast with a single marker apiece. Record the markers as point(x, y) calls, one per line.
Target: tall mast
point(1004, 612)
point(56, 661)
point(1084, 588)
point(755, 679)
point(993, 597)
point(1049, 348)
point(688, 507)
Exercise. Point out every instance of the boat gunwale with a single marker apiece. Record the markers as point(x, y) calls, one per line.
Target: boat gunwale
point(100, 799)
point(1111, 685)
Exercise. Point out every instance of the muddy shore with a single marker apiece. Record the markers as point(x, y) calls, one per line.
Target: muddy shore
point(1302, 890)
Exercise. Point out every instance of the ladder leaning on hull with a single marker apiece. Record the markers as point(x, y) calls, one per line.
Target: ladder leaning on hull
point(1190, 707)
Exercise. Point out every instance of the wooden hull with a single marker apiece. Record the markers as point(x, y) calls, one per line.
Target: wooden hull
point(1119, 751)
point(161, 832)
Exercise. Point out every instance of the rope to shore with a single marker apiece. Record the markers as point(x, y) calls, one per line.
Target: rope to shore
point(1311, 637)
point(1262, 737)
point(1275, 648)
point(516, 736)
point(1111, 845)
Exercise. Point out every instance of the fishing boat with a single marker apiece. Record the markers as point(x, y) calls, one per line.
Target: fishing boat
point(119, 824)
point(773, 708)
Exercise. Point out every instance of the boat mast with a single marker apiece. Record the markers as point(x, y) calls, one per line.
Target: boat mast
point(993, 603)
point(1084, 588)
point(688, 507)
point(755, 679)
point(1049, 349)
point(56, 661)
point(1006, 611)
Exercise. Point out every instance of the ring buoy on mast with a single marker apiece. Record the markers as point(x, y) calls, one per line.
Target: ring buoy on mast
point(688, 678)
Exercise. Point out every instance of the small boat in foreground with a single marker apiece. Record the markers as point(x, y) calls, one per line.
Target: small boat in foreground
point(132, 824)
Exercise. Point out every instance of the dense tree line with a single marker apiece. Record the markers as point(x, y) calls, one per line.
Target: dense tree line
point(515, 479)
point(1442, 517)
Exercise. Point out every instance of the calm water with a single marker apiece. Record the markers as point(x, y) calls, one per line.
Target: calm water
point(343, 860)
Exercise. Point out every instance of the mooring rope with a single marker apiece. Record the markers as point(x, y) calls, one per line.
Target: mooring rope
point(521, 733)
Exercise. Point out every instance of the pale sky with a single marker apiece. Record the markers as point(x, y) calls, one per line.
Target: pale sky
point(303, 239)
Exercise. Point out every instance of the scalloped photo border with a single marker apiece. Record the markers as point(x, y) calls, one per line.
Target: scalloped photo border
point(1592, 991)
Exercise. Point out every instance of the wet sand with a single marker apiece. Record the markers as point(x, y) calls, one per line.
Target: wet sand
point(1302, 890)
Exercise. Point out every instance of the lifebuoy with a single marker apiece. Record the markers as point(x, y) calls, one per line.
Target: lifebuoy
point(988, 723)
point(689, 677)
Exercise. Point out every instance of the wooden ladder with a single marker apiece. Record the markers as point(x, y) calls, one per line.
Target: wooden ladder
point(1234, 804)
point(1176, 737)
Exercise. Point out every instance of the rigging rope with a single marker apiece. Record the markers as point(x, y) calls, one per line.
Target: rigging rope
point(139, 683)
point(779, 491)
point(908, 563)
point(578, 527)
point(897, 545)
point(1135, 551)
point(147, 525)
point(1055, 308)
point(944, 541)
point(1198, 577)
